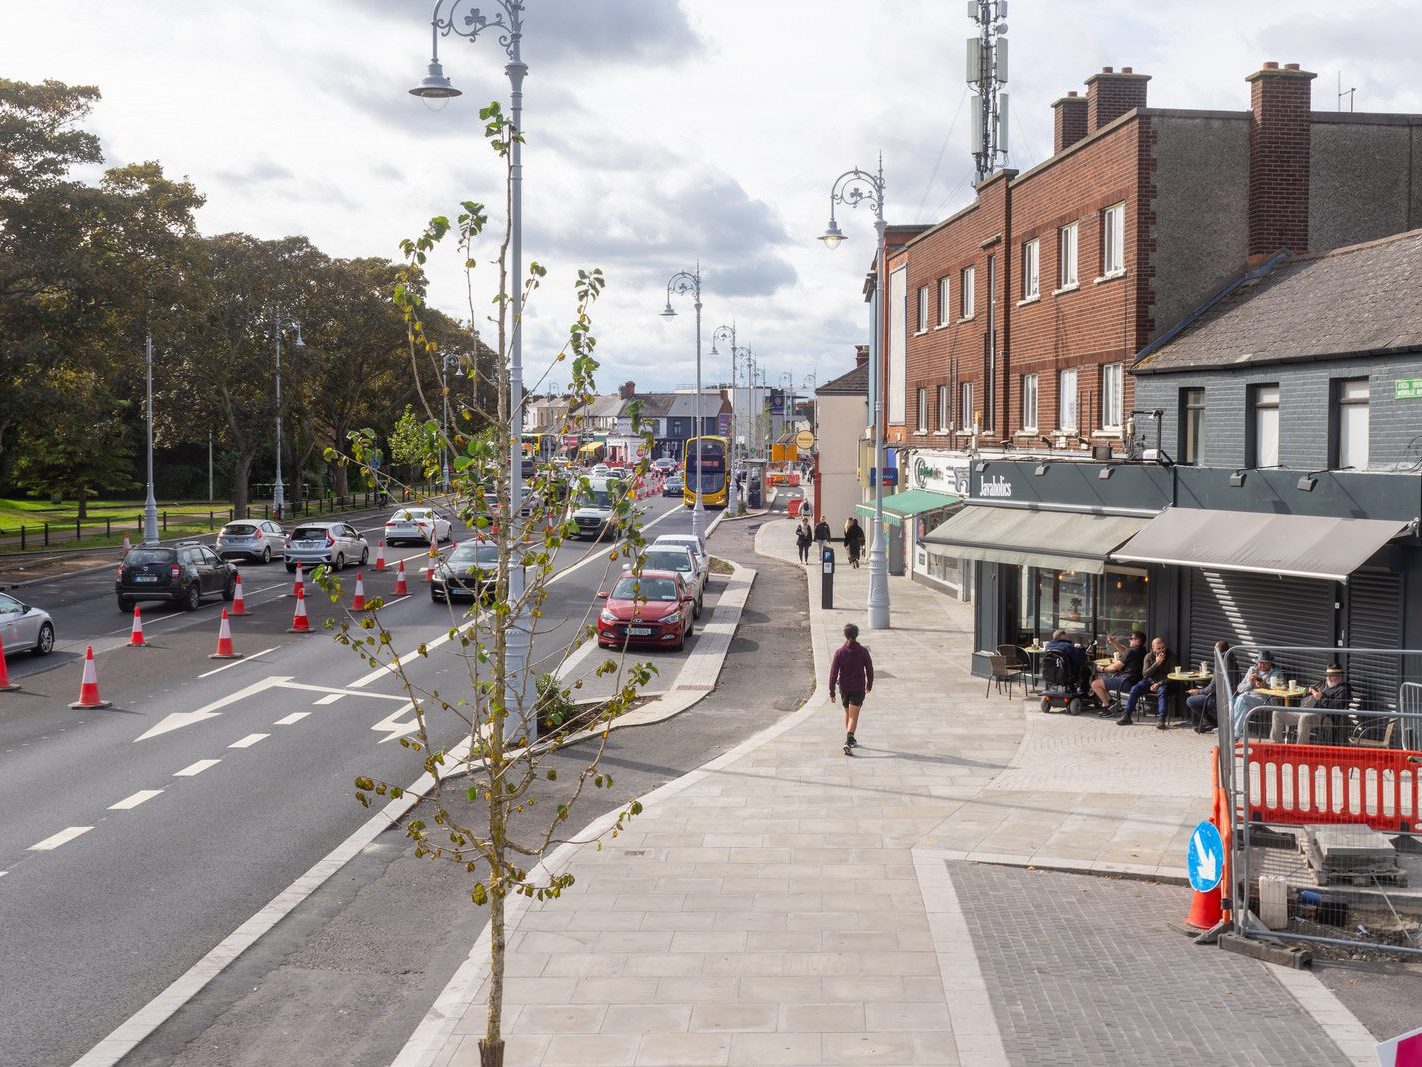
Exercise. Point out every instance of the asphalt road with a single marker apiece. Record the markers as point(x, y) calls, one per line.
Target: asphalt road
point(137, 837)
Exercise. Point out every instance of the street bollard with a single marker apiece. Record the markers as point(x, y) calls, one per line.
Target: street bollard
point(827, 578)
point(165, 522)
point(108, 527)
point(46, 535)
point(78, 533)
point(210, 523)
point(22, 537)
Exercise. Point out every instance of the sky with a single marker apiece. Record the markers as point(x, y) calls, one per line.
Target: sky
point(661, 134)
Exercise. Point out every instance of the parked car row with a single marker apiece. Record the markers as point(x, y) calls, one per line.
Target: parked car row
point(657, 605)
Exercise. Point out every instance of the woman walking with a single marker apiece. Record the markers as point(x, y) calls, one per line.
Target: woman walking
point(804, 538)
point(852, 673)
point(853, 540)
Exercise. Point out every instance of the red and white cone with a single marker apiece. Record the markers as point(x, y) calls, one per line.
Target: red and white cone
point(224, 641)
point(429, 568)
point(300, 624)
point(127, 544)
point(400, 588)
point(135, 637)
point(5, 684)
point(89, 688)
point(239, 605)
point(298, 585)
point(358, 604)
point(380, 555)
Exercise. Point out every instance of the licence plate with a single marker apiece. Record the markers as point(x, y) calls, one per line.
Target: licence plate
point(640, 631)
point(145, 577)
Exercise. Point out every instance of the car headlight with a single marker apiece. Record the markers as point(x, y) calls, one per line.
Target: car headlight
point(607, 616)
point(674, 617)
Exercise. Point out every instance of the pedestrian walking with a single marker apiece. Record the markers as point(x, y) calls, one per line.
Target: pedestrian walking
point(852, 673)
point(804, 538)
point(822, 537)
point(853, 540)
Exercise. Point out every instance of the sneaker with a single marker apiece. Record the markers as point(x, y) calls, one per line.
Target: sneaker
point(851, 742)
point(1162, 725)
point(847, 751)
point(1125, 720)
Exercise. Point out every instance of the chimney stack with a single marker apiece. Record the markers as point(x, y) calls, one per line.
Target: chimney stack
point(1112, 93)
point(1069, 121)
point(627, 390)
point(1279, 149)
point(861, 355)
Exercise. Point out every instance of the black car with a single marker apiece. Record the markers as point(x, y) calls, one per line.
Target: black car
point(469, 572)
point(673, 485)
point(184, 573)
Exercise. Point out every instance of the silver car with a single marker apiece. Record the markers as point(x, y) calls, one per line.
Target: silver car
point(25, 629)
point(681, 559)
point(336, 543)
point(257, 539)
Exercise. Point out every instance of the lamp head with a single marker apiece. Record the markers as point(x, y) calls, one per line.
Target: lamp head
point(1105, 473)
point(1041, 469)
point(434, 88)
point(298, 343)
point(832, 235)
point(1307, 483)
point(670, 312)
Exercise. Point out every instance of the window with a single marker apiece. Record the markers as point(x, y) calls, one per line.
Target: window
point(945, 307)
point(1066, 257)
point(966, 295)
point(1262, 448)
point(1030, 250)
point(1112, 391)
point(1192, 426)
point(1350, 418)
point(965, 406)
point(922, 308)
point(923, 407)
point(1066, 400)
point(1113, 240)
point(1029, 402)
point(945, 407)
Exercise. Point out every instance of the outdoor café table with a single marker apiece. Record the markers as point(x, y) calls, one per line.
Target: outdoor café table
point(1033, 651)
point(1189, 676)
point(1286, 695)
point(1104, 662)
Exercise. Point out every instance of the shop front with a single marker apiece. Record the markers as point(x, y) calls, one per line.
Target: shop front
point(944, 475)
point(905, 515)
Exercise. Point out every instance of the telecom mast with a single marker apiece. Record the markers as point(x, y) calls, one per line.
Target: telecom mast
point(987, 71)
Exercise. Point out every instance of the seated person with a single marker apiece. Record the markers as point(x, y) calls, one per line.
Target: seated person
point(1246, 698)
point(1158, 665)
point(1124, 671)
point(1075, 654)
point(1200, 702)
point(1332, 693)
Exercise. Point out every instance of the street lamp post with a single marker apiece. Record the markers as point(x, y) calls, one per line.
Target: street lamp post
point(681, 283)
point(728, 333)
point(852, 188)
point(150, 503)
point(450, 360)
point(278, 491)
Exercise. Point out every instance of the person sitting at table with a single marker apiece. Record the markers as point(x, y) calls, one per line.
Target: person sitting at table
point(1075, 654)
point(1332, 693)
point(1200, 701)
point(1247, 697)
point(1156, 668)
point(1124, 671)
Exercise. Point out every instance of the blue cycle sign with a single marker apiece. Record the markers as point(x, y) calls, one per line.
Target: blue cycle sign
point(1205, 863)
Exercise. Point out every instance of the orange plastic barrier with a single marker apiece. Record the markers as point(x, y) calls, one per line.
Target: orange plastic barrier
point(794, 506)
point(1297, 784)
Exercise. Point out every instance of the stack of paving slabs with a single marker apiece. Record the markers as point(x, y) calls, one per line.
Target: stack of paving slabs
point(1350, 855)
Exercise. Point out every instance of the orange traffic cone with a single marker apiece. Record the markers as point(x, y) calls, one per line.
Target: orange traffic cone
point(5, 684)
point(89, 687)
point(127, 544)
point(358, 604)
point(224, 640)
point(400, 588)
point(298, 585)
point(239, 605)
point(135, 637)
point(380, 555)
point(300, 624)
point(1205, 910)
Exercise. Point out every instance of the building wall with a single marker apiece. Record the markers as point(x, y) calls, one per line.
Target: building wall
point(842, 420)
point(1365, 177)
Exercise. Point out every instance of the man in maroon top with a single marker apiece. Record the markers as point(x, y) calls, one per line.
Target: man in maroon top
point(852, 673)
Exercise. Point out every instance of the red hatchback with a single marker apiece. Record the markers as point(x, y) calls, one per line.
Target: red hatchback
point(653, 609)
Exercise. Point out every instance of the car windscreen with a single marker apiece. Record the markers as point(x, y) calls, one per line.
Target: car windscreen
point(139, 556)
point(595, 498)
point(467, 554)
point(309, 533)
point(239, 529)
point(667, 561)
point(645, 589)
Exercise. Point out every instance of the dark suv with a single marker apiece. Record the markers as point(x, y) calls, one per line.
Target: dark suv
point(184, 573)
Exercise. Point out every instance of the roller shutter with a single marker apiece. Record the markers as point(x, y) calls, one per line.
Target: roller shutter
point(1375, 621)
point(1261, 611)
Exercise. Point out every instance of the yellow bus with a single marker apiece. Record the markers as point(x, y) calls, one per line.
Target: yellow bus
point(711, 477)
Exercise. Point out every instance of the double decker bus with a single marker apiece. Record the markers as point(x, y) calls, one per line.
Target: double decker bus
point(538, 449)
point(711, 477)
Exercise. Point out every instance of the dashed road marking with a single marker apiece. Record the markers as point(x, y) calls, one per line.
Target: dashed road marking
point(67, 834)
point(132, 802)
point(248, 741)
point(294, 717)
point(329, 698)
point(196, 768)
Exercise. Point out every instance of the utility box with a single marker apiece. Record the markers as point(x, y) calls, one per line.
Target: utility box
point(827, 577)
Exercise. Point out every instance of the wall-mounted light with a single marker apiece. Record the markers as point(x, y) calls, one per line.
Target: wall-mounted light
point(1309, 481)
point(1041, 469)
point(1237, 479)
point(980, 466)
point(1106, 473)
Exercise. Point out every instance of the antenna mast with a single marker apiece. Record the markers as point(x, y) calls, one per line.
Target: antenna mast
point(987, 71)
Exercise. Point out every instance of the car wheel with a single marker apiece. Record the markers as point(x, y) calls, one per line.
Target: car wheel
point(229, 591)
point(45, 644)
point(364, 555)
point(267, 554)
point(696, 613)
point(193, 599)
point(340, 563)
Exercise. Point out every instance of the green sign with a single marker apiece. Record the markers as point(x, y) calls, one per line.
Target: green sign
point(1407, 389)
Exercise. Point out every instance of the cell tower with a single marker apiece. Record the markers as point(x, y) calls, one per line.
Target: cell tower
point(987, 70)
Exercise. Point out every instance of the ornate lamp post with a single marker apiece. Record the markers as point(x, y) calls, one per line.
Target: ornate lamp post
point(278, 326)
point(450, 360)
point(852, 188)
point(681, 283)
point(728, 333)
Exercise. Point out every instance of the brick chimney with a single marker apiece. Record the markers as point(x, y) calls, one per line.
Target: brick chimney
point(861, 355)
point(627, 390)
point(1112, 93)
point(1280, 99)
point(1069, 123)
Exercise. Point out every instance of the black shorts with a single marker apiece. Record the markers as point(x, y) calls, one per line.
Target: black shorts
point(848, 698)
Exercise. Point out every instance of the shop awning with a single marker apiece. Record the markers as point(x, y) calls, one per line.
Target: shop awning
point(1300, 546)
point(905, 505)
point(1062, 540)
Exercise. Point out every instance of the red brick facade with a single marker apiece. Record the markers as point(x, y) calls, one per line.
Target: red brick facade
point(1279, 159)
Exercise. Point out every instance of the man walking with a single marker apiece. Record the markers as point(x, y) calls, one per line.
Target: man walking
point(822, 536)
point(852, 673)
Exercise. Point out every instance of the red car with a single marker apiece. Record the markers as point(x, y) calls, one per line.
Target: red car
point(653, 609)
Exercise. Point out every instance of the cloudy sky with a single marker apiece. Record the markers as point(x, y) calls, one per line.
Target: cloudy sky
point(660, 132)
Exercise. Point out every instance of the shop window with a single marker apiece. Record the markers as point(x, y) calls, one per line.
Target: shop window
point(1055, 599)
point(1192, 427)
point(1262, 429)
point(1124, 600)
point(1349, 432)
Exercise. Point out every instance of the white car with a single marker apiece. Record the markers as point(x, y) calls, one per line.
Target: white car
point(25, 629)
point(332, 543)
point(691, 541)
point(677, 558)
point(256, 539)
point(417, 524)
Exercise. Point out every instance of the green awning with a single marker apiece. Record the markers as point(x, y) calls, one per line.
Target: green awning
point(907, 504)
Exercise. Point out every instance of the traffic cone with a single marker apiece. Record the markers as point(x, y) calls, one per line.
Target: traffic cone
point(127, 544)
point(135, 637)
point(300, 624)
point(89, 688)
point(298, 586)
point(400, 587)
point(358, 604)
point(5, 684)
point(380, 555)
point(239, 605)
point(224, 639)
point(1205, 910)
point(429, 570)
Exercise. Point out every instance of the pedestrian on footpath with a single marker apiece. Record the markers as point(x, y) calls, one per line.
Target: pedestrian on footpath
point(853, 540)
point(804, 538)
point(822, 536)
point(852, 673)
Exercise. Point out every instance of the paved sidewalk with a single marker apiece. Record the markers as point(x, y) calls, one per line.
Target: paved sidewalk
point(786, 904)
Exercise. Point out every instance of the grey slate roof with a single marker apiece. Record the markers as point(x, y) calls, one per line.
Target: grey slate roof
point(852, 383)
point(1360, 300)
point(684, 405)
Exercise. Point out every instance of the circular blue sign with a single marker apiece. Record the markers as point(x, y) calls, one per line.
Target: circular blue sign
point(1205, 862)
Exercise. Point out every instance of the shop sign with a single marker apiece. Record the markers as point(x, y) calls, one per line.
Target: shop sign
point(1407, 389)
point(994, 485)
point(937, 476)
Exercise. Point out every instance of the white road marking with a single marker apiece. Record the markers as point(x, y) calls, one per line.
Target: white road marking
point(329, 698)
point(179, 719)
point(248, 741)
point(132, 802)
point(238, 663)
point(287, 683)
point(294, 717)
point(196, 768)
point(392, 725)
point(68, 834)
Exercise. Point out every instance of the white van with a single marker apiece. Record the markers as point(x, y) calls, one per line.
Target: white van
point(592, 506)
